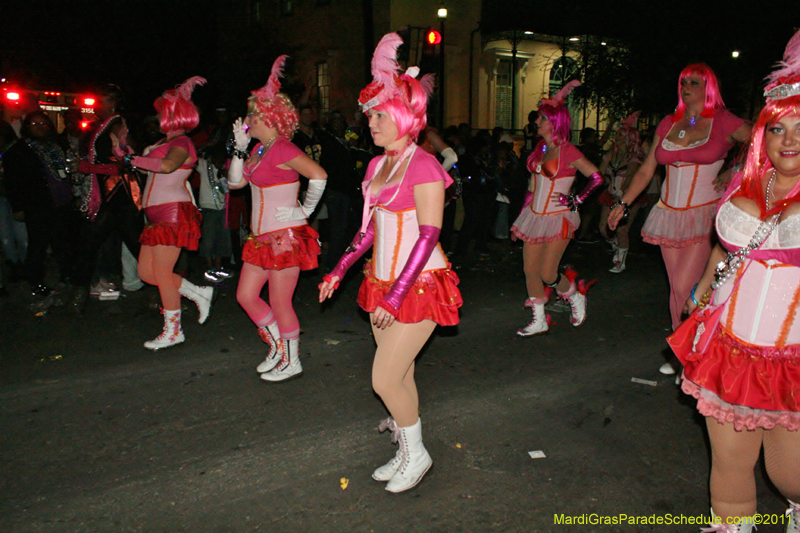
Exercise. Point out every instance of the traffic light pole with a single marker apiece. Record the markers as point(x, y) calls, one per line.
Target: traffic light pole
point(441, 76)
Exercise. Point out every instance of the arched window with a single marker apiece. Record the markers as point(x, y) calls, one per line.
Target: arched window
point(565, 69)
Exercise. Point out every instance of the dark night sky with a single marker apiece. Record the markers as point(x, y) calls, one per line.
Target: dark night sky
point(147, 46)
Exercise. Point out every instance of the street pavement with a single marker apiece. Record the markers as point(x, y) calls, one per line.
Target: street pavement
point(101, 435)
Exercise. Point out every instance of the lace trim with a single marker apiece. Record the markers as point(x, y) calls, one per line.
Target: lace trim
point(737, 226)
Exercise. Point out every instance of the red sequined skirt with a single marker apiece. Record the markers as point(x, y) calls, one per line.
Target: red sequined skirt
point(434, 296)
point(285, 248)
point(173, 224)
point(744, 384)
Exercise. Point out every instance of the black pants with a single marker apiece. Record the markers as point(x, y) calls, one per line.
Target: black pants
point(55, 228)
point(118, 215)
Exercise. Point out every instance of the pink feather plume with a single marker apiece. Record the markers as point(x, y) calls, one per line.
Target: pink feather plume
point(632, 119)
point(566, 90)
point(273, 86)
point(384, 60)
point(185, 89)
point(428, 83)
point(790, 66)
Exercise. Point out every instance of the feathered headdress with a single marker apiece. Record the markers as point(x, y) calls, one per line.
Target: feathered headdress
point(632, 120)
point(273, 86)
point(185, 89)
point(561, 96)
point(785, 81)
point(387, 83)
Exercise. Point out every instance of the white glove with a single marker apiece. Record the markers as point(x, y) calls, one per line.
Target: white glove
point(450, 158)
point(313, 196)
point(240, 136)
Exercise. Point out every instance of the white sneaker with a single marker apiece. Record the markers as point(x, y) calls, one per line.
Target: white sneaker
point(667, 369)
point(172, 333)
point(289, 366)
point(271, 336)
point(538, 323)
point(416, 460)
point(793, 512)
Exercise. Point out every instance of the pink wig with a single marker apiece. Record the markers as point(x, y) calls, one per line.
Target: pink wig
point(713, 98)
point(272, 107)
point(403, 97)
point(633, 139)
point(176, 111)
point(560, 121)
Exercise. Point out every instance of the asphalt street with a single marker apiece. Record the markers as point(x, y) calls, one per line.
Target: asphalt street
point(101, 435)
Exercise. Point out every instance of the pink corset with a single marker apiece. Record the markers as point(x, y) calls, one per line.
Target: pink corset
point(689, 185)
point(167, 188)
point(265, 202)
point(396, 232)
point(544, 202)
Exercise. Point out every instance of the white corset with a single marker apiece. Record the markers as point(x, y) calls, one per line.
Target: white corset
point(266, 200)
point(396, 232)
point(690, 185)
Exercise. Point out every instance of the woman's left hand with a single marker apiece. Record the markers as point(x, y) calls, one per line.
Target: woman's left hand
point(381, 318)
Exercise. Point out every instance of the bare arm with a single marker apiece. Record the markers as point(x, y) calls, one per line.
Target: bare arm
point(638, 184)
point(305, 166)
point(704, 285)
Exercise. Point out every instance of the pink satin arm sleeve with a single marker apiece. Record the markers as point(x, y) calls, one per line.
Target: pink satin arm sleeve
point(526, 201)
point(428, 238)
point(359, 248)
point(573, 201)
point(153, 164)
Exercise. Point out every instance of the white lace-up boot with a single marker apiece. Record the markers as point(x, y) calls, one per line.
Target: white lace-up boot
point(538, 323)
point(793, 514)
point(271, 336)
point(415, 461)
point(201, 296)
point(575, 296)
point(619, 261)
point(289, 366)
point(385, 472)
point(172, 333)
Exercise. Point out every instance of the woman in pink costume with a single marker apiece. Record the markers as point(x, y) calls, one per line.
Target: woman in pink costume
point(693, 144)
point(173, 220)
point(409, 287)
point(619, 165)
point(282, 243)
point(549, 214)
point(747, 380)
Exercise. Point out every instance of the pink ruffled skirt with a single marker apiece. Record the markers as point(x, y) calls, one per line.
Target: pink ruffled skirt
point(534, 228)
point(678, 228)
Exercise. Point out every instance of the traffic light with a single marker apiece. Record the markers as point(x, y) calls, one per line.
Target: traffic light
point(433, 37)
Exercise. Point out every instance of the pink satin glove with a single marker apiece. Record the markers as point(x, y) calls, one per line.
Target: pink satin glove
point(153, 164)
point(574, 200)
point(353, 253)
point(428, 238)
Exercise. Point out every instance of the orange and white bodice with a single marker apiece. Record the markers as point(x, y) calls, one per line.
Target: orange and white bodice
point(551, 178)
point(763, 308)
point(173, 187)
point(396, 232)
point(266, 200)
point(690, 185)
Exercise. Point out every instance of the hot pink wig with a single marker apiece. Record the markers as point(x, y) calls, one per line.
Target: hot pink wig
point(633, 139)
point(560, 121)
point(403, 97)
point(713, 98)
point(176, 111)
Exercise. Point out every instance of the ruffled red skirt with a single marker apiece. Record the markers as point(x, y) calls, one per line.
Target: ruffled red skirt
point(174, 224)
point(751, 386)
point(285, 248)
point(434, 296)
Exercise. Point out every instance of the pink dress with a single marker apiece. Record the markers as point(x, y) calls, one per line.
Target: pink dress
point(685, 213)
point(545, 219)
point(275, 245)
point(750, 374)
point(172, 217)
point(435, 295)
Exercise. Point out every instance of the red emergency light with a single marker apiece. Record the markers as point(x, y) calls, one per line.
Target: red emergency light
point(88, 101)
point(85, 124)
point(12, 96)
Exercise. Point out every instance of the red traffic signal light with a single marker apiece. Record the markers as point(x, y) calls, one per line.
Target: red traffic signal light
point(433, 37)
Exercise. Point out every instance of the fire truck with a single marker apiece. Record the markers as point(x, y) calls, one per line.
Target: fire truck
point(52, 102)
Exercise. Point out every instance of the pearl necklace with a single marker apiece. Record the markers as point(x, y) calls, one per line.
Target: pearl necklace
point(768, 194)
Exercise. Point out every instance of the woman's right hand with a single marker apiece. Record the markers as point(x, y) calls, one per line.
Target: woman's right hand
point(615, 216)
point(327, 287)
point(240, 136)
point(116, 149)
